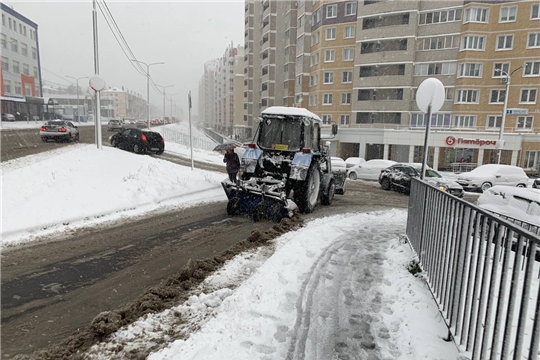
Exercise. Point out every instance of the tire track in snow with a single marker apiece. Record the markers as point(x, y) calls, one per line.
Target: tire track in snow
point(350, 324)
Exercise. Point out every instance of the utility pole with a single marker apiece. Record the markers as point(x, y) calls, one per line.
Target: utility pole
point(163, 92)
point(78, 106)
point(507, 78)
point(148, 86)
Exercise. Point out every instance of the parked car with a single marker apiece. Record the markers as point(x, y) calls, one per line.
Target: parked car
point(536, 184)
point(398, 177)
point(59, 130)
point(8, 117)
point(516, 203)
point(139, 141)
point(486, 176)
point(353, 161)
point(370, 170)
point(115, 125)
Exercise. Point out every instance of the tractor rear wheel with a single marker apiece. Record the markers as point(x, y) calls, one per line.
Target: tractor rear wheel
point(306, 192)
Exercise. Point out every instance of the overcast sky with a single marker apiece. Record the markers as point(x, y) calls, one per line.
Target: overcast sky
point(183, 34)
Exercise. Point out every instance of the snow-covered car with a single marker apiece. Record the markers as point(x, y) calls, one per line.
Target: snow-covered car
point(8, 117)
point(398, 177)
point(369, 170)
point(353, 161)
point(59, 130)
point(486, 176)
point(536, 184)
point(339, 169)
point(516, 203)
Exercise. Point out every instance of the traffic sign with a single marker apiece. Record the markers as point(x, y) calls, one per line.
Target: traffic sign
point(517, 111)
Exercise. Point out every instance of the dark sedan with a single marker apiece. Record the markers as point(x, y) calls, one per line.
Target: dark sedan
point(139, 141)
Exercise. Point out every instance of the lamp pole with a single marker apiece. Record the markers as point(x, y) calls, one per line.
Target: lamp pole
point(78, 106)
point(164, 87)
point(508, 77)
point(148, 86)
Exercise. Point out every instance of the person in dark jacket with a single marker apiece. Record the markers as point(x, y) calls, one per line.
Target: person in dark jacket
point(233, 163)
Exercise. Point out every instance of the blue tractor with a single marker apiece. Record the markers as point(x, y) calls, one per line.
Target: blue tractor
point(287, 169)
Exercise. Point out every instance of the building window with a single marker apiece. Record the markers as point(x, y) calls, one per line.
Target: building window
point(534, 40)
point(535, 11)
point(298, 79)
point(327, 99)
point(380, 94)
point(350, 8)
point(14, 45)
point(467, 96)
point(9, 19)
point(438, 43)
point(532, 159)
point(473, 42)
point(328, 77)
point(24, 49)
point(300, 22)
point(26, 69)
point(330, 34)
point(475, 15)
point(378, 118)
point(346, 77)
point(494, 122)
point(7, 86)
point(34, 53)
point(369, 47)
point(345, 98)
point(524, 123)
point(348, 54)
point(348, 32)
point(16, 69)
point(437, 120)
point(446, 68)
point(382, 70)
point(3, 20)
point(18, 88)
point(344, 119)
point(326, 119)
point(4, 41)
point(504, 42)
point(5, 63)
point(35, 72)
point(470, 70)
point(465, 121)
point(436, 17)
point(331, 11)
point(31, 34)
point(314, 99)
point(314, 59)
point(500, 69)
point(316, 17)
point(329, 56)
point(507, 13)
point(497, 96)
point(528, 96)
point(531, 68)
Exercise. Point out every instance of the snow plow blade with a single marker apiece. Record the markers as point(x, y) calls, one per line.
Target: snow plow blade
point(257, 203)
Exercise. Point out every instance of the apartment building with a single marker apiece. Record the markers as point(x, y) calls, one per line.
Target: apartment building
point(123, 104)
point(221, 94)
point(358, 64)
point(20, 76)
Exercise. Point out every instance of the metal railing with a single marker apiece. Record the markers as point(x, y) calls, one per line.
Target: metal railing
point(183, 139)
point(483, 272)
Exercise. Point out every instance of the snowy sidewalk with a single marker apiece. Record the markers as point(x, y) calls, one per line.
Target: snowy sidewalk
point(336, 289)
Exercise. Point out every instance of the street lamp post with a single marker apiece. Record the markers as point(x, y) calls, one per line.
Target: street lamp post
point(164, 87)
point(77, 80)
point(148, 86)
point(508, 78)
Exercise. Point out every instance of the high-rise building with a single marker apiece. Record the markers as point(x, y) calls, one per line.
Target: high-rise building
point(358, 64)
point(21, 90)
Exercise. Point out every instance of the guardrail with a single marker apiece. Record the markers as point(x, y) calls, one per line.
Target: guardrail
point(183, 139)
point(483, 272)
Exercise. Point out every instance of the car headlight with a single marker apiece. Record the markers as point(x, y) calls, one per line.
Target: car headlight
point(442, 187)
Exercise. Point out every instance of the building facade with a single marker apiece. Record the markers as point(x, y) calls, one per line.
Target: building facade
point(221, 94)
point(358, 64)
point(20, 76)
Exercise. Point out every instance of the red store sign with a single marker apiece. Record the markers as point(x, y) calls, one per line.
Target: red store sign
point(451, 141)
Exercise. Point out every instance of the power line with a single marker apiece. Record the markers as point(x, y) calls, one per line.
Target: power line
point(142, 72)
point(66, 80)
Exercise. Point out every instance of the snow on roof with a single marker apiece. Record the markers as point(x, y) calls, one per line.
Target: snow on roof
point(294, 111)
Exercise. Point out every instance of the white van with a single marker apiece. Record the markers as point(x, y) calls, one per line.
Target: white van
point(516, 203)
point(486, 176)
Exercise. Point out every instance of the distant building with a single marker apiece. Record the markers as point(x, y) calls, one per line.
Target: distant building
point(21, 90)
point(123, 104)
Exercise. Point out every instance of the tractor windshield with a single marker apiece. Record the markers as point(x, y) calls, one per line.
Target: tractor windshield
point(281, 134)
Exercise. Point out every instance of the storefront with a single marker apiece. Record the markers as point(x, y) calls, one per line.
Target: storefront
point(448, 150)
